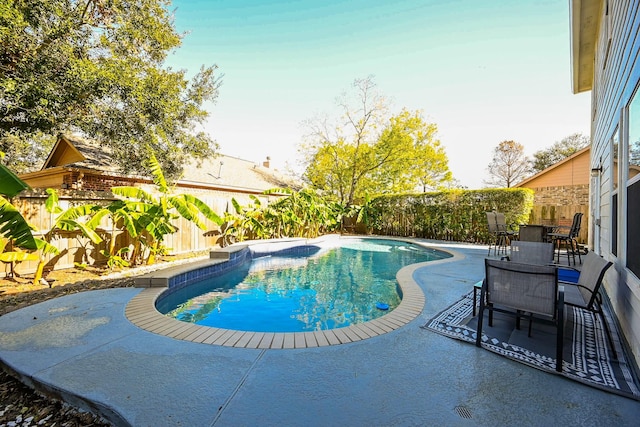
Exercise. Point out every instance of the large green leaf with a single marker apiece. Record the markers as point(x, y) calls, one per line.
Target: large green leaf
point(158, 175)
point(13, 226)
point(132, 193)
point(18, 256)
point(75, 212)
point(68, 224)
point(187, 210)
point(203, 208)
point(46, 248)
point(52, 203)
point(10, 184)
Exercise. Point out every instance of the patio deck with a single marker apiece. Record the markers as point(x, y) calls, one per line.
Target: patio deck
point(83, 348)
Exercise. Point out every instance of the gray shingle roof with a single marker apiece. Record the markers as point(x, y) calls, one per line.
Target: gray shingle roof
point(218, 171)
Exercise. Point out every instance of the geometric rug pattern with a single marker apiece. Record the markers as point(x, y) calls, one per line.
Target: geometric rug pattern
point(587, 357)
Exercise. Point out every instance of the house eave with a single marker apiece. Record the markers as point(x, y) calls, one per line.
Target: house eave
point(585, 19)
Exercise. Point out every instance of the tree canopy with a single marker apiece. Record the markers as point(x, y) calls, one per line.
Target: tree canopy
point(509, 164)
point(96, 67)
point(369, 153)
point(558, 151)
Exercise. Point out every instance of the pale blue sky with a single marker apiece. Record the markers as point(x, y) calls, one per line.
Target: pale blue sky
point(484, 71)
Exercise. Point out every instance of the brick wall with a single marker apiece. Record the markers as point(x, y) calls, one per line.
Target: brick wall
point(557, 205)
point(78, 180)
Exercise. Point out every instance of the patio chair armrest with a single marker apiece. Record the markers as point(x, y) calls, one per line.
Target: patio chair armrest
point(590, 292)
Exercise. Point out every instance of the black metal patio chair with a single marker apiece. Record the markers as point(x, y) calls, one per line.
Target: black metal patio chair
point(569, 240)
point(500, 234)
point(523, 290)
point(586, 293)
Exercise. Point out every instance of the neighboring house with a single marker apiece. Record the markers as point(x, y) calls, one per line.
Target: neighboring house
point(605, 57)
point(84, 173)
point(561, 190)
point(77, 164)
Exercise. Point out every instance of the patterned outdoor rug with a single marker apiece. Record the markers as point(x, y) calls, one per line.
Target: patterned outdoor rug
point(587, 357)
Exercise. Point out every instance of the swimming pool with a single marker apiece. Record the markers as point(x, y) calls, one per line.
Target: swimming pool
point(302, 288)
point(142, 312)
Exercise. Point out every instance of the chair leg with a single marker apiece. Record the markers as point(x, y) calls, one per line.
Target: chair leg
point(570, 252)
point(578, 251)
point(480, 318)
point(560, 330)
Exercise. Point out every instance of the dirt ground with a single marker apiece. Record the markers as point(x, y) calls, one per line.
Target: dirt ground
point(20, 405)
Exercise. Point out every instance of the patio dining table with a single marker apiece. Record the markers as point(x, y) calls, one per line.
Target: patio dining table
point(536, 232)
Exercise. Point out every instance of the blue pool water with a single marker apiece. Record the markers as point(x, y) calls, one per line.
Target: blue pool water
point(332, 288)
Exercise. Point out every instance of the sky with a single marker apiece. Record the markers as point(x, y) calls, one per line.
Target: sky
point(484, 71)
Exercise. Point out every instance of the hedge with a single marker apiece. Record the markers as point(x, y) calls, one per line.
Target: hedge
point(455, 215)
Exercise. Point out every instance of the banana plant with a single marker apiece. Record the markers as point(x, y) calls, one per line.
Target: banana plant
point(304, 213)
point(17, 243)
point(244, 223)
point(149, 218)
point(300, 214)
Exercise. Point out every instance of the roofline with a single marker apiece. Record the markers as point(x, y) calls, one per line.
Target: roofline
point(553, 166)
point(231, 188)
point(584, 23)
point(142, 180)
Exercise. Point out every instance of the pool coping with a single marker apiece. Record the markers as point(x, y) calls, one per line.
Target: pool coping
point(142, 312)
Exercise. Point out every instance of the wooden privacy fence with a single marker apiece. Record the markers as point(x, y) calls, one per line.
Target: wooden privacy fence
point(562, 216)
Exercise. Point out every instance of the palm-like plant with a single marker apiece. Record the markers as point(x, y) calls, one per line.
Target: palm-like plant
point(304, 213)
point(149, 218)
point(300, 214)
point(17, 242)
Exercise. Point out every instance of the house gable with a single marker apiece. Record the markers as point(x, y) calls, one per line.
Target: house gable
point(573, 170)
point(63, 153)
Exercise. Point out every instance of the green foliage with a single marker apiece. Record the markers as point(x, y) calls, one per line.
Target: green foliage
point(13, 226)
point(69, 220)
point(301, 213)
point(560, 150)
point(116, 260)
point(149, 218)
point(370, 154)
point(14, 229)
point(457, 215)
point(415, 158)
point(97, 67)
point(145, 217)
point(10, 184)
point(17, 242)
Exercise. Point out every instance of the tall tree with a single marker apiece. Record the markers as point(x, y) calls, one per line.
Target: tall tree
point(369, 153)
point(96, 67)
point(509, 164)
point(340, 157)
point(558, 151)
point(416, 159)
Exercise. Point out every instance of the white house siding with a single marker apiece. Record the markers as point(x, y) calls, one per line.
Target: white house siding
point(616, 77)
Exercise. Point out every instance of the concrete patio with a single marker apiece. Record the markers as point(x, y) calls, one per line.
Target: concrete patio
point(83, 348)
